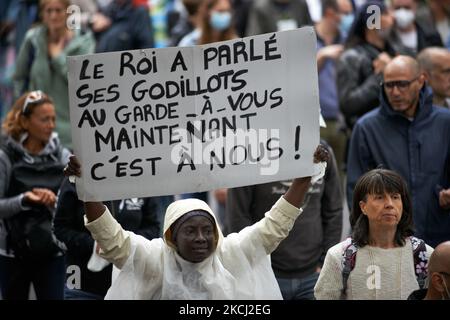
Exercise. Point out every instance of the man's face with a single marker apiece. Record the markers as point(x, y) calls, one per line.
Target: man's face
point(196, 239)
point(402, 87)
point(439, 77)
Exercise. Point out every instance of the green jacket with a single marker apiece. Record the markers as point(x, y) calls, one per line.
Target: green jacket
point(50, 74)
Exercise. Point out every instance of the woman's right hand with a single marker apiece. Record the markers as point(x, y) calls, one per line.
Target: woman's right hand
point(73, 168)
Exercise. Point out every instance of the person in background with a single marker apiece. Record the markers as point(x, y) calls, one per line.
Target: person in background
point(277, 15)
point(435, 65)
point(435, 14)
point(130, 28)
point(377, 262)
point(360, 66)
point(336, 20)
point(297, 260)
point(214, 23)
point(186, 23)
point(241, 9)
point(41, 62)
point(31, 164)
point(414, 36)
point(138, 215)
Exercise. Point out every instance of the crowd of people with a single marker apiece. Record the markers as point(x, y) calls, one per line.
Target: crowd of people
point(384, 93)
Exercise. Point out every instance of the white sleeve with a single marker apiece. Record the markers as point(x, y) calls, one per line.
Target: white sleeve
point(329, 285)
point(114, 242)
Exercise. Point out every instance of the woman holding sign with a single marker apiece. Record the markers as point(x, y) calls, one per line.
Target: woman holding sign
point(194, 260)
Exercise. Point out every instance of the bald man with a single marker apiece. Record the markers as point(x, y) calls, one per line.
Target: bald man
point(435, 64)
point(409, 135)
point(438, 276)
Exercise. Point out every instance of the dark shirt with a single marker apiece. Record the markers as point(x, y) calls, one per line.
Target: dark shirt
point(418, 294)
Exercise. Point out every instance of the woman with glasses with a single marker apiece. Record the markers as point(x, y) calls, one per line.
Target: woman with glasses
point(41, 62)
point(31, 170)
point(381, 260)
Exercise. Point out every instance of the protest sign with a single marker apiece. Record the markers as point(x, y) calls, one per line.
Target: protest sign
point(174, 120)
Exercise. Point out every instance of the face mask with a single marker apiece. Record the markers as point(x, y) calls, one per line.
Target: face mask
point(220, 20)
point(404, 17)
point(346, 23)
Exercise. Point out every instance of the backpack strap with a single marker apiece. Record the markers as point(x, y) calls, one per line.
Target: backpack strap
point(348, 264)
point(420, 260)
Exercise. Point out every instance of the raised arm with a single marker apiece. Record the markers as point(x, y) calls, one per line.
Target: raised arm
point(113, 240)
point(296, 192)
point(93, 210)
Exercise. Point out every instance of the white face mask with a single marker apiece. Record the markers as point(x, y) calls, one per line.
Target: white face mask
point(404, 17)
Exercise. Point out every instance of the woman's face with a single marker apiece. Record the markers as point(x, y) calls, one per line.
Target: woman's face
point(383, 210)
point(41, 123)
point(195, 240)
point(54, 14)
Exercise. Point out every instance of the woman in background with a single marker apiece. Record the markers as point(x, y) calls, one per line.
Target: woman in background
point(41, 62)
point(31, 164)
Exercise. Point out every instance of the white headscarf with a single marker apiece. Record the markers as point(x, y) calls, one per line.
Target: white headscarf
point(239, 268)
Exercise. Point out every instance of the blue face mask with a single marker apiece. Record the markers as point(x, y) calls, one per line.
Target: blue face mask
point(220, 20)
point(346, 23)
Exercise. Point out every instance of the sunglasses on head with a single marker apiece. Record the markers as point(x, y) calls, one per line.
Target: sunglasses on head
point(32, 97)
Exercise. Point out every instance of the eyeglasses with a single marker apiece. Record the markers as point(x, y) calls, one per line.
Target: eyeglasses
point(401, 85)
point(32, 97)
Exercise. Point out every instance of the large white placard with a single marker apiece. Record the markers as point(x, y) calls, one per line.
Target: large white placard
point(174, 120)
